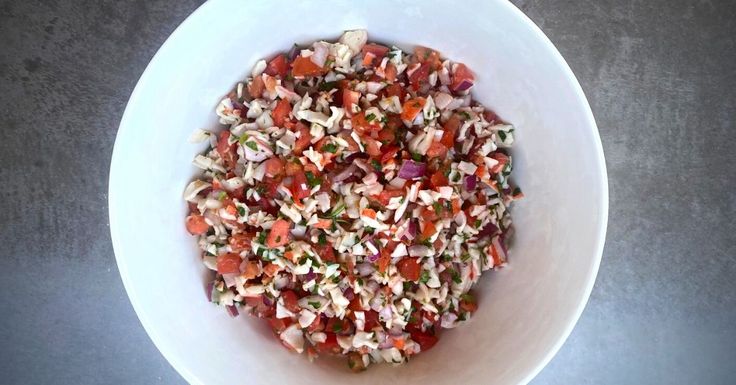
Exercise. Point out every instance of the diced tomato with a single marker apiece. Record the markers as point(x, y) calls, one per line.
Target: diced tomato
point(450, 129)
point(281, 112)
point(259, 306)
point(340, 326)
point(502, 159)
point(368, 59)
point(251, 270)
point(228, 263)
point(256, 87)
point(462, 79)
point(299, 187)
point(371, 319)
point(455, 206)
point(225, 149)
point(390, 72)
point(361, 125)
point(271, 269)
point(428, 231)
point(316, 326)
point(278, 66)
point(384, 196)
point(302, 142)
point(269, 82)
point(196, 224)
point(326, 253)
point(304, 66)
point(395, 90)
point(349, 97)
point(292, 168)
point(352, 146)
point(419, 76)
point(367, 212)
point(438, 179)
point(412, 108)
point(398, 342)
point(372, 146)
point(376, 51)
point(389, 152)
point(291, 301)
point(323, 224)
point(409, 268)
point(330, 346)
point(425, 340)
point(240, 242)
point(428, 55)
point(279, 324)
point(386, 135)
point(468, 304)
point(279, 234)
point(274, 166)
point(437, 150)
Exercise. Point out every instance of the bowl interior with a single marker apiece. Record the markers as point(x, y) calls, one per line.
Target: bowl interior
point(526, 310)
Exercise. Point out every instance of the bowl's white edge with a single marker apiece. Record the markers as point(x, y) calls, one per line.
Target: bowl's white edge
point(191, 378)
point(169, 354)
point(603, 203)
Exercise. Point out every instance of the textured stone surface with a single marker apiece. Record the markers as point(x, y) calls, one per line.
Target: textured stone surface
point(660, 76)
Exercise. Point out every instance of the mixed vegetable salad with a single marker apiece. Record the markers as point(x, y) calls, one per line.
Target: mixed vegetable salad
point(357, 195)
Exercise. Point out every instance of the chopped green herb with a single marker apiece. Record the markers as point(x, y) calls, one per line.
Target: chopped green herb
point(465, 257)
point(221, 196)
point(376, 165)
point(369, 230)
point(337, 210)
point(502, 135)
point(312, 180)
point(424, 278)
point(336, 327)
point(252, 145)
point(462, 317)
point(465, 115)
point(241, 211)
point(477, 223)
point(455, 276)
point(326, 86)
point(407, 286)
point(446, 258)
point(384, 119)
point(329, 147)
point(516, 191)
point(261, 237)
point(315, 304)
point(437, 207)
point(322, 239)
point(243, 138)
point(370, 117)
point(336, 279)
point(456, 177)
point(416, 157)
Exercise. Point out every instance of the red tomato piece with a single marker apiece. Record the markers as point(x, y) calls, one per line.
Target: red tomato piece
point(241, 242)
point(256, 87)
point(462, 79)
point(425, 340)
point(228, 263)
point(304, 66)
point(302, 142)
point(376, 50)
point(299, 187)
point(196, 224)
point(420, 75)
point(279, 234)
point(437, 150)
point(281, 112)
point(412, 108)
point(438, 179)
point(409, 268)
point(274, 166)
point(291, 301)
point(278, 66)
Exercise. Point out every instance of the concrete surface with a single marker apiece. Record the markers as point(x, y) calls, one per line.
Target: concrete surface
point(659, 74)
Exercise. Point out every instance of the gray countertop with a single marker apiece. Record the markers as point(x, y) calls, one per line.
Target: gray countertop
point(661, 79)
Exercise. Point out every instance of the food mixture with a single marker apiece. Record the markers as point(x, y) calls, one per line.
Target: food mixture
point(356, 197)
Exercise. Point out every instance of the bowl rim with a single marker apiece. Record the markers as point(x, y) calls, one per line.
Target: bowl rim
point(173, 357)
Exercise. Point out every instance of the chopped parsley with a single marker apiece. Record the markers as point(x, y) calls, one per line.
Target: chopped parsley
point(370, 117)
point(416, 157)
point(477, 223)
point(322, 239)
point(455, 276)
point(424, 278)
point(241, 211)
point(252, 145)
point(261, 238)
point(312, 180)
point(329, 147)
point(315, 304)
point(369, 230)
point(502, 135)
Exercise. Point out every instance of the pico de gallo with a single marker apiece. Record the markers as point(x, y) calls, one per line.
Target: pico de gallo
point(355, 197)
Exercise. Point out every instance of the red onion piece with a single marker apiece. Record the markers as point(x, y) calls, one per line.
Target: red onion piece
point(411, 169)
point(349, 294)
point(210, 287)
point(411, 230)
point(344, 174)
point(267, 300)
point(365, 269)
point(463, 86)
point(232, 310)
point(310, 276)
point(294, 52)
point(470, 182)
point(356, 155)
point(488, 230)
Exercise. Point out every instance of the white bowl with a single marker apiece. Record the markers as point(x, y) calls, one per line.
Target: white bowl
point(526, 310)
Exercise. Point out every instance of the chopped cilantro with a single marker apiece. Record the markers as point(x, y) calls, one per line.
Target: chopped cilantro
point(337, 327)
point(261, 237)
point(465, 115)
point(455, 276)
point(407, 286)
point(315, 304)
point(337, 210)
point(502, 135)
point(516, 191)
point(243, 138)
point(241, 211)
point(326, 86)
point(465, 257)
point(446, 258)
point(416, 157)
point(376, 165)
point(437, 207)
point(424, 278)
point(369, 230)
point(370, 117)
point(477, 223)
point(252, 145)
point(336, 279)
point(322, 239)
point(312, 180)
point(222, 195)
point(329, 147)
point(462, 317)
point(456, 177)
